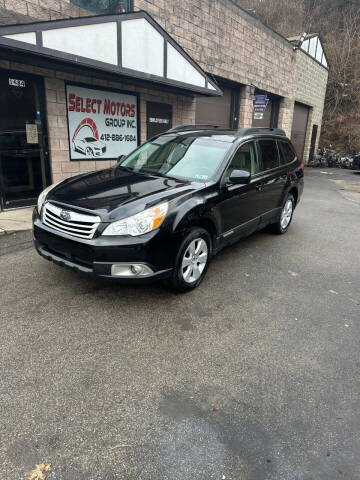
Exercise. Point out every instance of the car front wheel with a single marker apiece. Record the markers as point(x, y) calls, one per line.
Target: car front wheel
point(192, 260)
point(89, 152)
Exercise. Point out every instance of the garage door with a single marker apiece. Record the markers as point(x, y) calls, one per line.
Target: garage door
point(214, 110)
point(299, 127)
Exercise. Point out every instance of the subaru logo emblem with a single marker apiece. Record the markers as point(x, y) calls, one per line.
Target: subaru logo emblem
point(64, 215)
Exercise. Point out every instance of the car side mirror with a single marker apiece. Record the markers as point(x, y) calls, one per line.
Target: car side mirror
point(239, 177)
point(121, 158)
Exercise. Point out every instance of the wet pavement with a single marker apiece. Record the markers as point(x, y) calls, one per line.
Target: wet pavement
point(253, 376)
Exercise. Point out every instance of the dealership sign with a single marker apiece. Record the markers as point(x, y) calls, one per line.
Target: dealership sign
point(102, 123)
point(260, 103)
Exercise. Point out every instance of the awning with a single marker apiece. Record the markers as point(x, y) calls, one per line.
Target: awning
point(132, 45)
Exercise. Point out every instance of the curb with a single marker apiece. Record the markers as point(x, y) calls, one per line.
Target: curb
point(3, 232)
point(12, 241)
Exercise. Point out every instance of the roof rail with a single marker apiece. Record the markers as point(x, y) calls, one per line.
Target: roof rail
point(186, 128)
point(264, 130)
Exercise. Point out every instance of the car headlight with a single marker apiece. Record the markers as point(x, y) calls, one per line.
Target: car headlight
point(140, 223)
point(44, 194)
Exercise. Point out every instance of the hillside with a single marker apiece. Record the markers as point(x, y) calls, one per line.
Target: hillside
point(338, 22)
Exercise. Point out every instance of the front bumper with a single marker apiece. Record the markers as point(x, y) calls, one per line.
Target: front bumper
point(98, 153)
point(96, 257)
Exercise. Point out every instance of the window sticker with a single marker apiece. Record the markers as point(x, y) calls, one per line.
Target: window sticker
point(31, 133)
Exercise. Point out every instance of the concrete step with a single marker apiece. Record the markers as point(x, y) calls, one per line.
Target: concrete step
point(15, 220)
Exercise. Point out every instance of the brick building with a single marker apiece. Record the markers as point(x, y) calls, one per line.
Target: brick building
point(172, 62)
point(311, 77)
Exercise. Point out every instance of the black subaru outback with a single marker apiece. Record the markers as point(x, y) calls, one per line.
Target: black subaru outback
point(164, 210)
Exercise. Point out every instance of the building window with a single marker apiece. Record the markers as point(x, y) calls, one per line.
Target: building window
point(104, 6)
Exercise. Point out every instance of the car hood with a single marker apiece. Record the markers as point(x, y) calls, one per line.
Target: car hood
point(116, 192)
point(98, 144)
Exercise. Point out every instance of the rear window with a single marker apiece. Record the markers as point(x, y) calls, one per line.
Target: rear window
point(287, 153)
point(269, 154)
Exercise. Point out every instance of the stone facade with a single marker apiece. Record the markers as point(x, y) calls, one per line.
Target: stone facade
point(245, 108)
point(310, 88)
point(25, 11)
point(229, 42)
point(61, 166)
point(183, 112)
point(225, 40)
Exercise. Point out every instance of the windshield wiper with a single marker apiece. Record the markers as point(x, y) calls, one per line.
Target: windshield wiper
point(126, 168)
point(156, 174)
point(145, 172)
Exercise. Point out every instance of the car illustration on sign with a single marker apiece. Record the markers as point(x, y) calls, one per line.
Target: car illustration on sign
point(86, 139)
point(89, 146)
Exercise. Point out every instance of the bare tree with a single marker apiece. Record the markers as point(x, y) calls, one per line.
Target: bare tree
point(341, 116)
point(338, 22)
point(289, 20)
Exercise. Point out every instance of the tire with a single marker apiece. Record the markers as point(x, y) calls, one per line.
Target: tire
point(282, 225)
point(190, 268)
point(89, 153)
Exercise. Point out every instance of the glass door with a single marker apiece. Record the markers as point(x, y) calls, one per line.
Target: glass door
point(24, 163)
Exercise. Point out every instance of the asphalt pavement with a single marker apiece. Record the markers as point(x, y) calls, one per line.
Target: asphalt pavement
point(253, 376)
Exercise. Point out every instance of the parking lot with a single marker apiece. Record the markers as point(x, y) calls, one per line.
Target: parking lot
point(252, 376)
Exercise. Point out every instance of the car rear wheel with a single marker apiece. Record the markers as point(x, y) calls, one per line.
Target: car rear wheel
point(287, 212)
point(192, 260)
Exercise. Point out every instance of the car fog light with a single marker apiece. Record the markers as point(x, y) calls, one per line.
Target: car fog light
point(130, 270)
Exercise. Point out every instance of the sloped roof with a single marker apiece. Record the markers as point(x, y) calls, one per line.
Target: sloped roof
point(312, 45)
point(133, 45)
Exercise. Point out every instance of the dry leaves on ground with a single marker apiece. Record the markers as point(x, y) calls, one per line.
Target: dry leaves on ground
point(40, 471)
point(215, 409)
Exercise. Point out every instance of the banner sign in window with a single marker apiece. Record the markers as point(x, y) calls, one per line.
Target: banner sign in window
point(102, 123)
point(260, 103)
point(158, 118)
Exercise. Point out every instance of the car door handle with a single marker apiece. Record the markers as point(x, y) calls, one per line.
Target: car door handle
point(259, 186)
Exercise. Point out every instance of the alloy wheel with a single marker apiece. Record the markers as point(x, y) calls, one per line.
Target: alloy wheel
point(194, 260)
point(286, 214)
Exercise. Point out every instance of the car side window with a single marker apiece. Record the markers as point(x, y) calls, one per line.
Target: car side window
point(287, 153)
point(269, 154)
point(244, 159)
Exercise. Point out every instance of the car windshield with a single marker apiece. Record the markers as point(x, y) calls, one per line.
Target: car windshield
point(90, 139)
point(183, 157)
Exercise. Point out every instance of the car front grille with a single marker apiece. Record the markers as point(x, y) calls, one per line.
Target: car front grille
point(77, 225)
